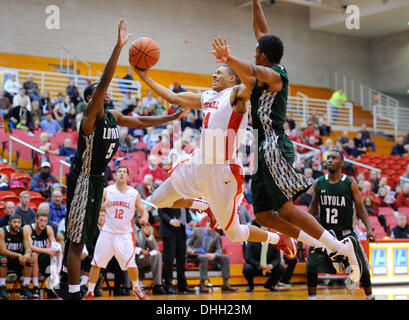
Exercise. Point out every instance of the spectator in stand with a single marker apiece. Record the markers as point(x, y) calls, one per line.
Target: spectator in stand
point(57, 209)
point(80, 107)
point(374, 180)
point(189, 121)
point(360, 143)
point(4, 182)
point(66, 150)
point(16, 113)
point(9, 211)
point(44, 144)
point(178, 88)
point(50, 125)
point(162, 148)
point(153, 169)
point(366, 136)
point(316, 170)
point(172, 109)
point(148, 100)
point(45, 102)
point(126, 101)
point(12, 87)
point(399, 148)
point(145, 188)
point(72, 92)
point(310, 130)
point(314, 119)
point(61, 108)
point(69, 123)
point(5, 103)
point(318, 138)
point(19, 98)
point(337, 101)
point(386, 198)
point(36, 110)
point(26, 213)
point(324, 128)
point(344, 140)
point(23, 124)
point(402, 200)
point(401, 231)
point(160, 109)
point(32, 88)
point(367, 191)
point(199, 121)
point(327, 148)
point(352, 150)
point(151, 138)
point(373, 210)
point(290, 121)
point(43, 180)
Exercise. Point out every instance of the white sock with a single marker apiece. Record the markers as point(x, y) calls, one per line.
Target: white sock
point(135, 284)
point(272, 237)
point(35, 281)
point(2, 281)
point(91, 287)
point(328, 240)
point(72, 288)
point(370, 297)
point(26, 281)
point(84, 280)
point(199, 204)
point(307, 239)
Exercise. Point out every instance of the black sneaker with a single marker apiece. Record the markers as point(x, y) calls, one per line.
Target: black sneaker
point(50, 294)
point(74, 296)
point(36, 293)
point(97, 292)
point(25, 293)
point(83, 290)
point(3, 293)
point(61, 290)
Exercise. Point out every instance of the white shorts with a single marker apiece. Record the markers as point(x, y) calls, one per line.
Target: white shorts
point(220, 184)
point(120, 245)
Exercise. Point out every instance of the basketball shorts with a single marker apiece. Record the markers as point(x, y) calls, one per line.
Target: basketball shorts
point(118, 245)
point(220, 184)
point(275, 181)
point(13, 264)
point(321, 263)
point(84, 197)
point(43, 263)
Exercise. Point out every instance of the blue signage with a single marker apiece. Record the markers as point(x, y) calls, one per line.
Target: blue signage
point(400, 261)
point(379, 263)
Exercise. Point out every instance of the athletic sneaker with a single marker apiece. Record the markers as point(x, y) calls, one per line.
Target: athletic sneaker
point(36, 293)
point(287, 245)
point(348, 256)
point(213, 221)
point(25, 293)
point(89, 296)
point(3, 293)
point(139, 293)
point(61, 290)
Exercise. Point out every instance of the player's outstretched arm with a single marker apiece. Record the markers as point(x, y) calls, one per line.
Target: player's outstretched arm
point(239, 95)
point(141, 209)
point(145, 121)
point(361, 212)
point(95, 108)
point(248, 72)
point(260, 26)
point(187, 99)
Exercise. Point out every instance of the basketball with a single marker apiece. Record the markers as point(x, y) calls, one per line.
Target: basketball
point(144, 53)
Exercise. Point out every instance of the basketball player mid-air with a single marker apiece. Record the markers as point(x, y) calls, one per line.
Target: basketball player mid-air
point(116, 237)
point(276, 183)
point(212, 171)
point(97, 144)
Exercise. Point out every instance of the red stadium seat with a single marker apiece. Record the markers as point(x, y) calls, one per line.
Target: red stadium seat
point(36, 198)
point(17, 190)
point(6, 195)
point(233, 249)
point(7, 170)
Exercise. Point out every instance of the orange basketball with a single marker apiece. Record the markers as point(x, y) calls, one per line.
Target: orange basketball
point(144, 53)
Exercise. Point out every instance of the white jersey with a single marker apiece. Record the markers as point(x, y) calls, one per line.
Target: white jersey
point(119, 217)
point(223, 128)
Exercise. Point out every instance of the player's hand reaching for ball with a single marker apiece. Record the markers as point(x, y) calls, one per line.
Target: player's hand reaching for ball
point(221, 49)
point(179, 113)
point(123, 36)
point(141, 73)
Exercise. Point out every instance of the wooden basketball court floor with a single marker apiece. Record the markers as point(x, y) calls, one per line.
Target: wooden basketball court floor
point(295, 292)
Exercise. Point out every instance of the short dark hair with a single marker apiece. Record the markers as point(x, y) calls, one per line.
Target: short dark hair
point(89, 91)
point(125, 167)
point(341, 155)
point(231, 72)
point(272, 47)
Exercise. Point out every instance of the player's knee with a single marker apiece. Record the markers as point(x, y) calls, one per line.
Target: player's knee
point(3, 262)
point(238, 234)
point(263, 218)
point(160, 202)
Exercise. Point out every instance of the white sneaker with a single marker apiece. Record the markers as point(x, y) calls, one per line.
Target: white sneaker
point(348, 256)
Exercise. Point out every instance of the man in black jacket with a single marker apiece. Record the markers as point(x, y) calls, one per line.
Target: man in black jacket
point(173, 230)
point(256, 265)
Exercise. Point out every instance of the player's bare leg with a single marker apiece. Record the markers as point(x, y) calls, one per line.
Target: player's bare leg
point(136, 289)
point(74, 270)
point(92, 282)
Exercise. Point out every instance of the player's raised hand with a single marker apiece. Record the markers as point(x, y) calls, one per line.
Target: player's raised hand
point(141, 73)
point(221, 49)
point(123, 36)
point(179, 113)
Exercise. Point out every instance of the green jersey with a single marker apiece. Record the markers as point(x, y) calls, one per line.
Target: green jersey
point(14, 242)
point(39, 240)
point(96, 150)
point(336, 203)
point(268, 109)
